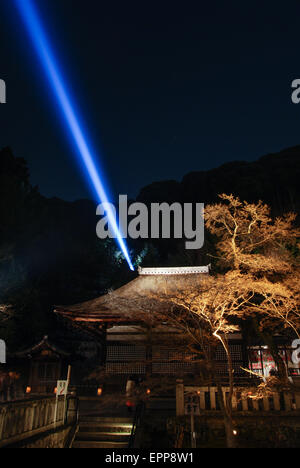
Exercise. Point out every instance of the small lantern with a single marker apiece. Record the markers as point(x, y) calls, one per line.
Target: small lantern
point(28, 390)
point(55, 390)
point(148, 391)
point(99, 391)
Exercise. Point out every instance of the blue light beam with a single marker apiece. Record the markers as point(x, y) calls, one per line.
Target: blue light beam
point(43, 49)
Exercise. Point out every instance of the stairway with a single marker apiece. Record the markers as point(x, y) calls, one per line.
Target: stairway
point(103, 432)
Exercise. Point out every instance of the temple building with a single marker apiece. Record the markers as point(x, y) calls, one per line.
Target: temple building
point(121, 334)
point(46, 365)
point(121, 320)
point(36, 370)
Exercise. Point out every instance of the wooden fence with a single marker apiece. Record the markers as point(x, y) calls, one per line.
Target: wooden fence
point(20, 420)
point(192, 399)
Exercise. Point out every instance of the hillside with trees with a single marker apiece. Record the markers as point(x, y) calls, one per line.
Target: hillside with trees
point(49, 252)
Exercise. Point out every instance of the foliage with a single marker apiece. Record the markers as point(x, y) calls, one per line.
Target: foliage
point(49, 254)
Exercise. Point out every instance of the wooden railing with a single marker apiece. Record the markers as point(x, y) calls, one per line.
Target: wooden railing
point(194, 399)
point(20, 420)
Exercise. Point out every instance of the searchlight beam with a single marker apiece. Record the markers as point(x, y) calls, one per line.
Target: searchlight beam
point(34, 26)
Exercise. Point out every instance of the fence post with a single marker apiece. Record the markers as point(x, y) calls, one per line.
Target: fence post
point(297, 397)
point(234, 400)
point(276, 401)
point(72, 409)
point(266, 404)
point(287, 402)
point(245, 404)
point(255, 405)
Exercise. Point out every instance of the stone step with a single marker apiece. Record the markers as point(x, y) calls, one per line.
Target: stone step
point(104, 419)
point(106, 428)
point(103, 432)
point(106, 423)
point(99, 444)
point(103, 436)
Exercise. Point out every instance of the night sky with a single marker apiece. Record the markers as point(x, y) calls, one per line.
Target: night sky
point(165, 88)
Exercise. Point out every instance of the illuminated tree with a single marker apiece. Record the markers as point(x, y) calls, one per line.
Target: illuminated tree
point(249, 239)
point(257, 280)
point(260, 276)
point(265, 253)
point(194, 318)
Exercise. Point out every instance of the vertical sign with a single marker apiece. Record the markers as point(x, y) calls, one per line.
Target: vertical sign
point(62, 388)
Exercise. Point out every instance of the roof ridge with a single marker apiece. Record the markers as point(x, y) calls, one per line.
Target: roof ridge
point(189, 270)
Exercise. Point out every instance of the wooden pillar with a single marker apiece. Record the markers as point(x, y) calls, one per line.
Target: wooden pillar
point(213, 402)
point(3, 412)
point(179, 398)
point(202, 397)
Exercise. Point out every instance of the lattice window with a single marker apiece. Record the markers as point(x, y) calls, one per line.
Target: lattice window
point(126, 359)
point(171, 361)
point(220, 354)
point(125, 368)
point(172, 368)
point(125, 353)
point(167, 354)
point(236, 352)
point(222, 368)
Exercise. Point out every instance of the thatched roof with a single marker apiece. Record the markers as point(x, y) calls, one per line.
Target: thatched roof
point(159, 281)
